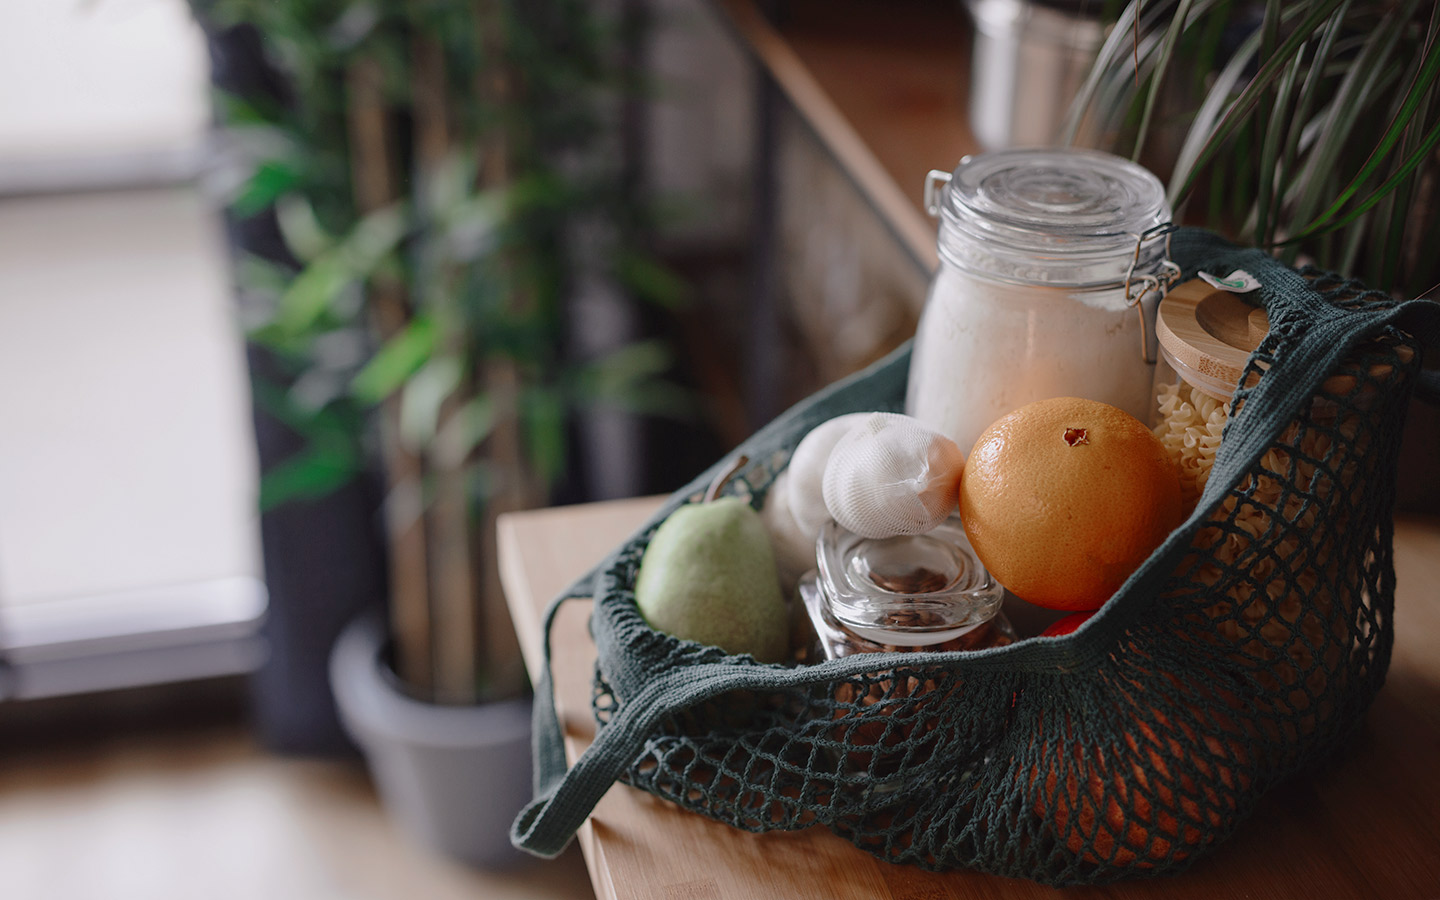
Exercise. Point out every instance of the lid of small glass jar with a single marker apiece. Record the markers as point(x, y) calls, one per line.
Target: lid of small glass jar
point(1207, 335)
point(1062, 217)
point(912, 590)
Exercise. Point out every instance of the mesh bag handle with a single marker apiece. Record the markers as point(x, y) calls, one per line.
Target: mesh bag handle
point(655, 677)
point(564, 798)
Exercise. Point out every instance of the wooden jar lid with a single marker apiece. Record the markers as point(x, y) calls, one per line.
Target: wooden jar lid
point(1207, 335)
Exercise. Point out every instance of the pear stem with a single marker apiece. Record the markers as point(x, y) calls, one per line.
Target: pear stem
point(724, 476)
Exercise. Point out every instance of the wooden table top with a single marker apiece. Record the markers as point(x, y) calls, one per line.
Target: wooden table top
point(1367, 826)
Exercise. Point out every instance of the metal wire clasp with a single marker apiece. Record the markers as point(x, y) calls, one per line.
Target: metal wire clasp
point(934, 181)
point(1144, 292)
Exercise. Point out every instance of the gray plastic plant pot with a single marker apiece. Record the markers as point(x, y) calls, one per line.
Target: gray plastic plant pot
point(452, 777)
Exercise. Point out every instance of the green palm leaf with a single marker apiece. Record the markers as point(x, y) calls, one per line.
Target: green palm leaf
point(1316, 133)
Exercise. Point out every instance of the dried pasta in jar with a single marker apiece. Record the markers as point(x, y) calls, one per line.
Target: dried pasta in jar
point(1264, 580)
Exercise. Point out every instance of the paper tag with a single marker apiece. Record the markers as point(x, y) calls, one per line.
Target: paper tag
point(1237, 282)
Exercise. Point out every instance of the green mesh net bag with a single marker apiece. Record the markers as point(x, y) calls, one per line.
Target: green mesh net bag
point(1242, 652)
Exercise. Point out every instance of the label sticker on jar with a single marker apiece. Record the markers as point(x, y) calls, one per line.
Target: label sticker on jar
point(1237, 282)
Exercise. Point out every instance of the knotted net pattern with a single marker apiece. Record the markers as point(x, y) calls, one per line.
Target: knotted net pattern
point(1244, 651)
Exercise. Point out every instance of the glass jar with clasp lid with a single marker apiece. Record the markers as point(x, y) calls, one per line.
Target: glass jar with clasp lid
point(1051, 265)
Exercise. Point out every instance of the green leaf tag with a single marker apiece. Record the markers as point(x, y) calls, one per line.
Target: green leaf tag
point(1237, 282)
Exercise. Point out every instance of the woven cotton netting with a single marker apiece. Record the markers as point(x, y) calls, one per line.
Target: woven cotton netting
point(1241, 654)
point(1243, 651)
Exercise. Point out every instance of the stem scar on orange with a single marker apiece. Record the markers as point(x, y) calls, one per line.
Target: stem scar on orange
point(1062, 499)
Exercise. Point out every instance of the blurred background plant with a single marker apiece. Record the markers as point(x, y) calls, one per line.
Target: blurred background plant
point(444, 177)
point(1306, 126)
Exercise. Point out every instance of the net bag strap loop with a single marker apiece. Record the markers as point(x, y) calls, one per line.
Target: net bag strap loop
point(567, 797)
point(536, 828)
point(547, 824)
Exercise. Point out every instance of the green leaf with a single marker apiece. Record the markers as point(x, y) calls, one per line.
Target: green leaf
point(397, 360)
point(616, 370)
point(650, 280)
point(471, 226)
point(1105, 65)
point(257, 273)
point(235, 110)
point(464, 430)
point(1270, 70)
point(1112, 76)
point(1207, 118)
point(301, 228)
point(1431, 140)
point(335, 268)
point(1364, 79)
point(1354, 241)
point(336, 422)
point(374, 238)
point(312, 292)
point(629, 379)
point(1393, 244)
point(314, 472)
point(1310, 90)
point(1207, 51)
point(1245, 170)
point(271, 181)
point(422, 397)
point(1157, 79)
point(1219, 174)
point(1271, 150)
point(449, 183)
point(274, 400)
point(1413, 100)
point(357, 22)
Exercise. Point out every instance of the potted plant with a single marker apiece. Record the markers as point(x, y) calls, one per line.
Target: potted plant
point(1309, 127)
point(443, 177)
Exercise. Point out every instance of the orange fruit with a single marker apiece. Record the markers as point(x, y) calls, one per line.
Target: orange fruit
point(1136, 803)
point(1062, 499)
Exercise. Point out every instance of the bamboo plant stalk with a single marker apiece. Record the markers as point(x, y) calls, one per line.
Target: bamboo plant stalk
point(374, 172)
point(453, 599)
point(424, 168)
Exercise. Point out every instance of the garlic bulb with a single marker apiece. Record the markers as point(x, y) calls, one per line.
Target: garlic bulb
point(794, 546)
point(892, 475)
point(794, 510)
point(807, 472)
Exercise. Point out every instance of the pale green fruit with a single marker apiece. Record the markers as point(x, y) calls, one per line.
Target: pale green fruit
point(709, 576)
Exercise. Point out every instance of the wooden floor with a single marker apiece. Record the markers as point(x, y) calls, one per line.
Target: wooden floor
point(128, 805)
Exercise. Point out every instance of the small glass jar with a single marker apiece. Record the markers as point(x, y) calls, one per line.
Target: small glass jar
point(914, 593)
point(908, 593)
point(1030, 300)
point(1206, 336)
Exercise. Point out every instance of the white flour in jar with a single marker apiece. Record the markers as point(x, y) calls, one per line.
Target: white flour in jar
point(985, 348)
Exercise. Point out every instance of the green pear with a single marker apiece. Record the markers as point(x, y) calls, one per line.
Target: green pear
point(709, 576)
